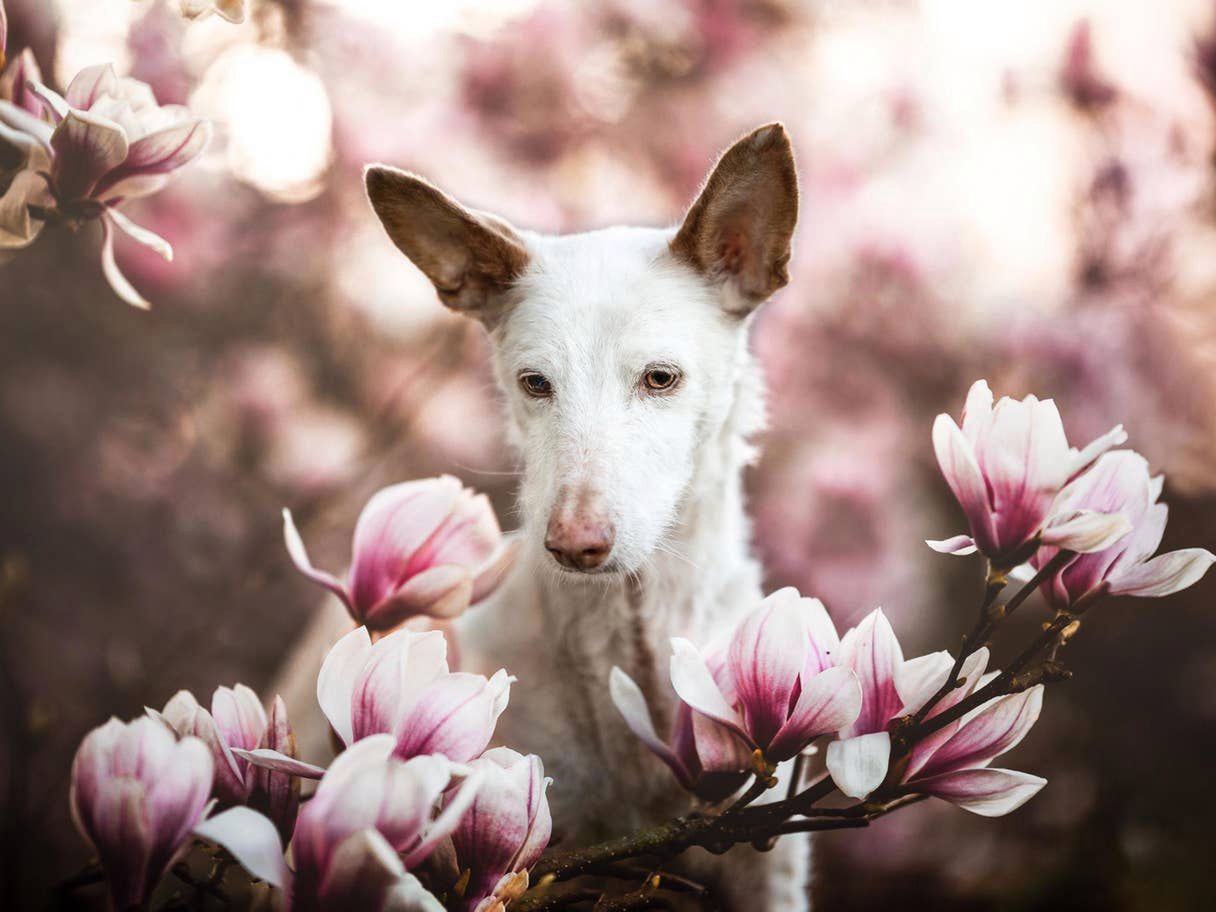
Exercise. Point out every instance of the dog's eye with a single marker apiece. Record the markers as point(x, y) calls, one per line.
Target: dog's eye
point(659, 379)
point(536, 385)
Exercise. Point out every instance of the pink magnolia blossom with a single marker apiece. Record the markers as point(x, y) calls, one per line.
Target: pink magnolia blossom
point(707, 758)
point(788, 689)
point(1120, 482)
point(236, 725)
point(16, 79)
point(371, 820)
point(401, 685)
point(136, 794)
point(858, 761)
point(24, 152)
point(1006, 466)
point(428, 547)
point(953, 762)
point(109, 141)
point(504, 831)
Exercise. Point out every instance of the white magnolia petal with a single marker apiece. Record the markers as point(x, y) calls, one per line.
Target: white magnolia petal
point(1082, 459)
point(977, 410)
point(630, 702)
point(18, 228)
point(109, 267)
point(299, 556)
point(957, 544)
point(917, 679)
point(448, 819)
point(143, 235)
point(252, 839)
point(859, 765)
point(958, 464)
point(1085, 531)
point(1164, 574)
point(275, 760)
point(987, 792)
point(52, 102)
point(336, 682)
point(695, 685)
point(409, 895)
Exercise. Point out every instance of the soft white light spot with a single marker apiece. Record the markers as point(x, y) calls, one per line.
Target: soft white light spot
point(92, 32)
point(424, 18)
point(275, 117)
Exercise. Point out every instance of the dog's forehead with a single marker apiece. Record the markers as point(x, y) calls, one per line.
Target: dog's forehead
point(617, 288)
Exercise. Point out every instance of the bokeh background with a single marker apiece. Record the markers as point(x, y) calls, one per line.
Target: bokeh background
point(1019, 191)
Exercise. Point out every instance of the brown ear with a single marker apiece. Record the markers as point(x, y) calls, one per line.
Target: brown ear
point(739, 228)
point(471, 258)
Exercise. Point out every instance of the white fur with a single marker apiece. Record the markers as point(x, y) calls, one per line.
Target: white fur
point(591, 313)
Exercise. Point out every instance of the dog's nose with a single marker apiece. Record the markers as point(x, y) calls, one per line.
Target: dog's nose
point(580, 543)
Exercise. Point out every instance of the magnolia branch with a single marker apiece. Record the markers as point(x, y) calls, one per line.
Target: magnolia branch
point(761, 825)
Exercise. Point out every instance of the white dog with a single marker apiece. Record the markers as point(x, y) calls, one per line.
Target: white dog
point(623, 356)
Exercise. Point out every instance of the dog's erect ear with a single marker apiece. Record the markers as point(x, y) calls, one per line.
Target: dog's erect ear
point(471, 258)
point(739, 228)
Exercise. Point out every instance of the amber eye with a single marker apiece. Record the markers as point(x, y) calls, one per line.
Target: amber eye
point(659, 379)
point(536, 385)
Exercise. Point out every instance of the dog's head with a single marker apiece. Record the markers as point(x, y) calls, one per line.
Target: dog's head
point(618, 350)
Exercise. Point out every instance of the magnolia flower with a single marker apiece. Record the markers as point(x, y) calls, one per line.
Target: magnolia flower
point(1006, 466)
point(236, 725)
point(1120, 482)
point(108, 142)
point(858, 761)
point(231, 10)
point(707, 758)
point(370, 821)
point(428, 547)
point(952, 763)
point(505, 830)
point(15, 82)
point(401, 685)
point(136, 793)
point(788, 690)
point(24, 152)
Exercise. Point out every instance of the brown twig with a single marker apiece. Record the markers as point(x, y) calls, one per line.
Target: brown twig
point(990, 617)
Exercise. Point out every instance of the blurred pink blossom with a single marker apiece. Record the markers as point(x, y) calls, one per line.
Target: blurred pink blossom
point(427, 547)
point(136, 793)
point(231, 10)
point(1080, 79)
point(15, 80)
point(109, 141)
point(1120, 483)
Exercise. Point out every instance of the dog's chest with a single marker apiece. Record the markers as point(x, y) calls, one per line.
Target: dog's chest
point(561, 643)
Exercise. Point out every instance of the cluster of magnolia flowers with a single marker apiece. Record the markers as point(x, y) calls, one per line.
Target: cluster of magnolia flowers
point(418, 812)
point(414, 808)
point(75, 158)
point(1088, 520)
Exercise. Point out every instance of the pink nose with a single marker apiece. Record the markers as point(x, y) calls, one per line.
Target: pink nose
point(579, 542)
